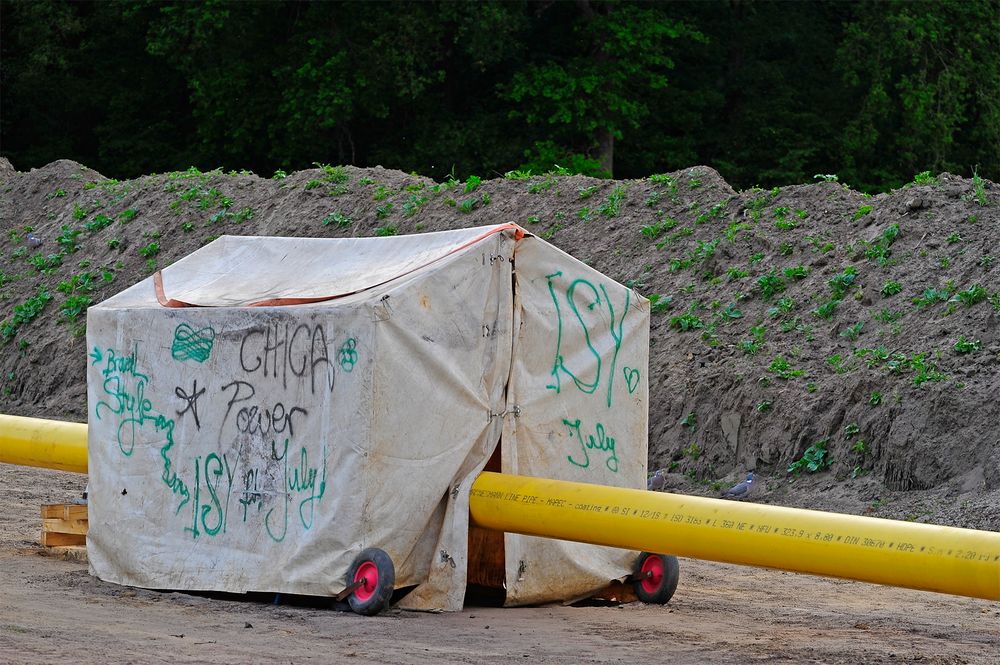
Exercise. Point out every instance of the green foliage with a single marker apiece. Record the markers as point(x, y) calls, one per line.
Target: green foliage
point(338, 218)
point(781, 306)
point(687, 322)
point(74, 306)
point(931, 296)
point(852, 331)
point(336, 175)
point(659, 303)
point(861, 212)
point(924, 178)
point(815, 458)
point(471, 184)
point(752, 346)
point(67, 239)
point(654, 231)
point(890, 288)
point(46, 264)
point(100, 221)
point(918, 73)
point(24, 313)
point(387, 230)
point(783, 369)
point(770, 284)
point(826, 309)
point(413, 205)
point(978, 187)
point(693, 450)
point(924, 370)
point(589, 86)
point(612, 207)
point(971, 296)
point(967, 345)
point(840, 284)
point(594, 99)
point(150, 250)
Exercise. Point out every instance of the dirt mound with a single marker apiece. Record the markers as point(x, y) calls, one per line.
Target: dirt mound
point(808, 325)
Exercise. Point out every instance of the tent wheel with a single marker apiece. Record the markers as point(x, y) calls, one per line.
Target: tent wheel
point(373, 577)
point(655, 577)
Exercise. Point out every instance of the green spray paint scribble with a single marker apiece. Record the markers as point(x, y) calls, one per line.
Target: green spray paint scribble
point(615, 327)
point(601, 442)
point(191, 344)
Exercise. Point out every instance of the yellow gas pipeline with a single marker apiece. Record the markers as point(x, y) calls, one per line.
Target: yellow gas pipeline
point(52, 444)
point(919, 556)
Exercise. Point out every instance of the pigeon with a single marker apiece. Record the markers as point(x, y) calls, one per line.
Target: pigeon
point(656, 482)
point(33, 240)
point(740, 490)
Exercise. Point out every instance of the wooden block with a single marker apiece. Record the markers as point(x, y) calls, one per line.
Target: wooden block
point(64, 526)
point(65, 511)
point(52, 539)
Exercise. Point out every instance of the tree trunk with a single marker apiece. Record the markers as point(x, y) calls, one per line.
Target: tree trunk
point(606, 149)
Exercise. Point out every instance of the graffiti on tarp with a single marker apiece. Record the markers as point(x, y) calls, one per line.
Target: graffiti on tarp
point(590, 328)
point(631, 379)
point(599, 442)
point(594, 313)
point(262, 468)
point(191, 344)
point(347, 356)
point(190, 401)
point(124, 388)
point(301, 481)
point(278, 349)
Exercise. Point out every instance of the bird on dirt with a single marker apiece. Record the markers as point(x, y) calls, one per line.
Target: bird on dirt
point(33, 240)
point(739, 490)
point(657, 481)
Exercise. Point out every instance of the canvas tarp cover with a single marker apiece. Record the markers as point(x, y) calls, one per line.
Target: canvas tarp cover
point(241, 444)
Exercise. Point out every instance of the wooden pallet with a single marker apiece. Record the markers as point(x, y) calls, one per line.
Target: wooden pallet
point(64, 525)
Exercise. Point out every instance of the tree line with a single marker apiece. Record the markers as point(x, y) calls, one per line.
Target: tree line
point(766, 92)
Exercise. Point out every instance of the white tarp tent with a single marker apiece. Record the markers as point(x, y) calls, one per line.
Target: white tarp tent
point(266, 408)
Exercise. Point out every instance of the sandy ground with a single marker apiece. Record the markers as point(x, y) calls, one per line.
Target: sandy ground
point(51, 609)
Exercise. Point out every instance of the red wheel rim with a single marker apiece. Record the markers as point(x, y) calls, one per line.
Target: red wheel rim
point(368, 574)
point(652, 574)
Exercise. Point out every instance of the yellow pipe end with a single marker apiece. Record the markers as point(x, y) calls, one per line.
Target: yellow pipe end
point(49, 444)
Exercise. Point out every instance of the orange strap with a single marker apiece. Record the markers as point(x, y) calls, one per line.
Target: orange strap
point(281, 302)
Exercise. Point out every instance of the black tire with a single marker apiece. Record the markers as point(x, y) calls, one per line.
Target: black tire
point(376, 567)
point(655, 577)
